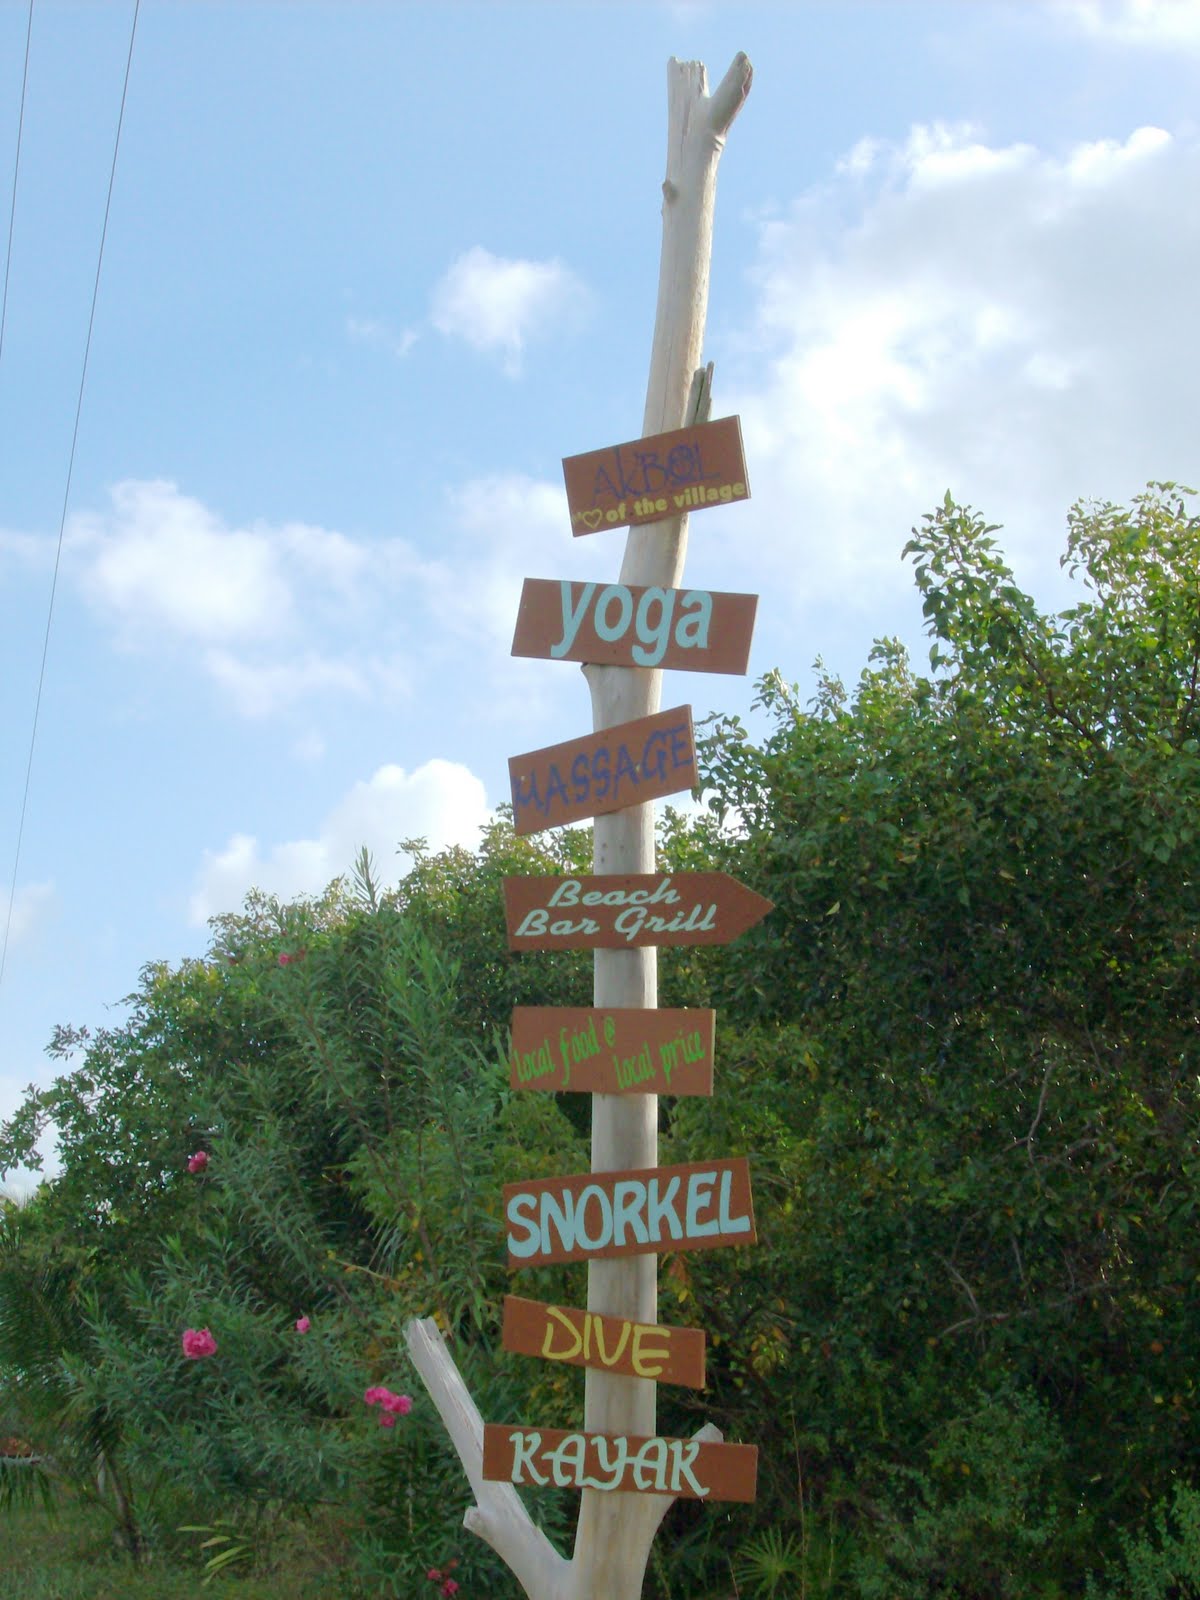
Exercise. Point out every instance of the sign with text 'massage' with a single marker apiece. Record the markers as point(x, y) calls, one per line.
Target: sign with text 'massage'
point(700, 1205)
point(613, 1050)
point(564, 1460)
point(610, 1344)
point(625, 765)
point(615, 911)
point(666, 475)
point(623, 625)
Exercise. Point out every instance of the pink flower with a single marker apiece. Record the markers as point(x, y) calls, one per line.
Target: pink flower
point(434, 1575)
point(198, 1342)
point(302, 1324)
point(449, 1587)
point(198, 1162)
point(393, 1405)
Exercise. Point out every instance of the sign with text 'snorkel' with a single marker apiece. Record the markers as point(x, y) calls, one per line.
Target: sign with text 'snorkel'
point(615, 911)
point(608, 1344)
point(689, 1468)
point(699, 1205)
point(666, 475)
point(624, 625)
point(612, 1050)
point(621, 766)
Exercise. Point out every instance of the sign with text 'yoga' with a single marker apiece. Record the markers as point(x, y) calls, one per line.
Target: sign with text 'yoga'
point(617, 911)
point(667, 475)
point(699, 1205)
point(620, 625)
point(621, 766)
point(610, 1344)
point(618, 1050)
point(684, 1467)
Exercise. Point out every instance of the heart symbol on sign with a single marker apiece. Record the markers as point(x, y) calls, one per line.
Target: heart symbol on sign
point(591, 519)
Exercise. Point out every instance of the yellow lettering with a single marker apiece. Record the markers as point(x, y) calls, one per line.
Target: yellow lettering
point(605, 1357)
point(643, 1354)
point(560, 1355)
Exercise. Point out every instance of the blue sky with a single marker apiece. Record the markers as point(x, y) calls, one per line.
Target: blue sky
point(373, 269)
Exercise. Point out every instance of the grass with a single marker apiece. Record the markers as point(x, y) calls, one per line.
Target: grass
point(69, 1555)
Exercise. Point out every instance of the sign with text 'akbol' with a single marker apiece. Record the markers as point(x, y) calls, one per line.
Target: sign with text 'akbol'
point(610, 1344)
point(625, 765)
point(617, 1050)
point(698, 1205)
point(617, 911)
point(666, 475)
point(620, 625)
point(684, 1467)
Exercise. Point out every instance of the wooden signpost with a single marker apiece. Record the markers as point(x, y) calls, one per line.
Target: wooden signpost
point(619, 625)
point(620, 1050)
point(682, 1467)
point(627, 1210)
point(623, 766)
point(613, 1344)
point(646, 480)
point(623, 911)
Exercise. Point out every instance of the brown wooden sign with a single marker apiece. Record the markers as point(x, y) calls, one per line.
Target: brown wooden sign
point(610, 1344)
point(699, 1205)
point(667, 475)
point(615, 911)
point(618, 1050)
point(684, 1467)
point(694, 630)
point(621, 766)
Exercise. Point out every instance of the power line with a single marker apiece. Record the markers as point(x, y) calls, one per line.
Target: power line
point(12, 210)
point(62, 521)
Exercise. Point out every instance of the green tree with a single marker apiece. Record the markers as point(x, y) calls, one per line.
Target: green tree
point(985, 942)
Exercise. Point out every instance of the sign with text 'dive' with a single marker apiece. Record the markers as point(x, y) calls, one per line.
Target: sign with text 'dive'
point(615, 911)
point(667, 475)
point(609, 1344)
point(622, 625)
point(699, 1205)
point(625, 765)
point(563, 1460)
point(614, 1050)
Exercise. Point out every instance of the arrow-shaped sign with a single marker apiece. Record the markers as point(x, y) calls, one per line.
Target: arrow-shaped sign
point(616, 912)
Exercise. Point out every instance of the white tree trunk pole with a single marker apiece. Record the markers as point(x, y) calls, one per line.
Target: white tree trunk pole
point(615, 1530)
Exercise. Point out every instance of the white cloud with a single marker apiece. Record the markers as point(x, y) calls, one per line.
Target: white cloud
point(32, 906)
point(170, 575)
point(374, 331)
point(159, 560)
point(1157, 24)
point(259, 689)
point(1014, 325)
point(23, 551)
point(498, 304)
point(442, 801)
point(309, 747)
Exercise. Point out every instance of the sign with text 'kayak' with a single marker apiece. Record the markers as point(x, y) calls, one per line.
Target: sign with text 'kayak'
point(683, 1467)
point(625, 765)
point(666, 475)
point(610, 1344)
point(620, 625)
point(699, 1205)
point(617, 911)
point(618, 1050)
